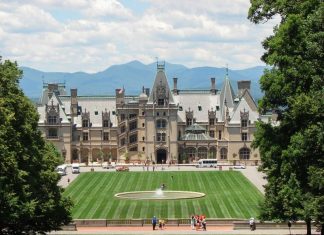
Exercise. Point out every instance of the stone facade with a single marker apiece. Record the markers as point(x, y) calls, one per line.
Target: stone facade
point(163, 126)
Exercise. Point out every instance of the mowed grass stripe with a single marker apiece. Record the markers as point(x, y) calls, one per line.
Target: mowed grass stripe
point(85, 196)
point(237, 203)
point(77, 188)
point(217, 188)
point(223, 202)
point(227, 194)
point(243, 204)
point(101, 198)
point(210, 195)
point(107, 201)
point(92, 204)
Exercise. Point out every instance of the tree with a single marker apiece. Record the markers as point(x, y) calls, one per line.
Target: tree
point(30, 200)
point(292, 152)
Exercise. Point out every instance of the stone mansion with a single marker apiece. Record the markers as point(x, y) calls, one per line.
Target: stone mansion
point(159, 125)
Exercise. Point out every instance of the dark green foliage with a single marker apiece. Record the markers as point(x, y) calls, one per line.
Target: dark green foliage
point(30, 199)
point(293, 151)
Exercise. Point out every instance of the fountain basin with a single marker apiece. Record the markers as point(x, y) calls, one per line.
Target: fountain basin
point(153, 195)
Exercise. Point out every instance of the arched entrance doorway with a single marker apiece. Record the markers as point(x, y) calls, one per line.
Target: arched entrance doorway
point(161, 155)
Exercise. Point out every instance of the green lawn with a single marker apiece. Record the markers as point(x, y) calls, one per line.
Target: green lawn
point(228, 195)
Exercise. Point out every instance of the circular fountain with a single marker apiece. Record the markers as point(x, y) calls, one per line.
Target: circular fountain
point(159, 194)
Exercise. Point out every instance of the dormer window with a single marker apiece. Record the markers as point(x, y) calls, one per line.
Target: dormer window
point(85, 123)
point(189, 121)
point(161, 102)
point(52, 119)
point(244, 123)
point(199, 107)
point(105, 123)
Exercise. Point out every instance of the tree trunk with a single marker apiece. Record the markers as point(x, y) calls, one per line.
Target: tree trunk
point(309, 227)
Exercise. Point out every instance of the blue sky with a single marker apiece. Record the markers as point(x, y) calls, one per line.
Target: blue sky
point(90, 35)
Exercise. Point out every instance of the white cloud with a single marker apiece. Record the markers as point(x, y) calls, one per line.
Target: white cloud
point(106, 32)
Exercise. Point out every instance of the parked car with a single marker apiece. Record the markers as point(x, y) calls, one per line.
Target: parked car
point(122, 168)
point(242, 166)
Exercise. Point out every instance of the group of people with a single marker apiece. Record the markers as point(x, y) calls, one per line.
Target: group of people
point(159, 222)
point(198, 222)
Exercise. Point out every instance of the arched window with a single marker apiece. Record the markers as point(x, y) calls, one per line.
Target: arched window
point(223, 153)
point(212, 153)
point(202, 153)
point(244, 154)
point(161, 123)
point(190, 152)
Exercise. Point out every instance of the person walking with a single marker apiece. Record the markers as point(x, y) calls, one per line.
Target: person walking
point(192, 222)
point(154, 221)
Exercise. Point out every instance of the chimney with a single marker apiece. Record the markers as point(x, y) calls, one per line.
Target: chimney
point(147, 91)
point(74, 102)
point(213, 86)
point(243, 85)
point(120, 93)
point(175, 83)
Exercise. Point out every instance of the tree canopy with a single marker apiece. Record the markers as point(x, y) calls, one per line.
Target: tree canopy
point(30, 200)
point(292, 149)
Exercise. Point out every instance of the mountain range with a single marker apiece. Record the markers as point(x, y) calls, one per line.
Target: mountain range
point(133, 75)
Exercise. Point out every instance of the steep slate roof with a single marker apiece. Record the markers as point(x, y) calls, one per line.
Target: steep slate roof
point(226, 96)
point(243, 106)
point(53, 100)
point(160, 79)
point(92, 104)
point(194, 99)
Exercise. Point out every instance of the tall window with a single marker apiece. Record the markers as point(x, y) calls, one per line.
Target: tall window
point(122, 117)
point(52, 133)
point(244, 136)
point(132, 125)
point(106, 136)
point(85, 136)
point(212, 134)
point(52, 119)
point(122, 129)
point(219, 135)
point(223, 153)
point(160, 101)
point(122, 142)
point(85, 123)
point(202, 153)
point(211, 121)
point(133, 138)
point(160, 137)
point(244, 122)
point(161, 123)
point(244, 154)
point(105, 123)
point(189, 121)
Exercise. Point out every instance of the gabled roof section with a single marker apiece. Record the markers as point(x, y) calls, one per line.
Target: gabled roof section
point(249, 99)
point(243, 106)
point(55, 100)
point(226, 96)
point(160, 81)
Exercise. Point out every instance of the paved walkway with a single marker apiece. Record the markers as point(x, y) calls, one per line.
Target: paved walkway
point(178, 230)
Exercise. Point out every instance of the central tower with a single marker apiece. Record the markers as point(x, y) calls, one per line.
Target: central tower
point(161, 120)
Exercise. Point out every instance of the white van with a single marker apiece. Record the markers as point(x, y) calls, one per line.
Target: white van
point(61, 169)
point(75, 168)
point(207, 163)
